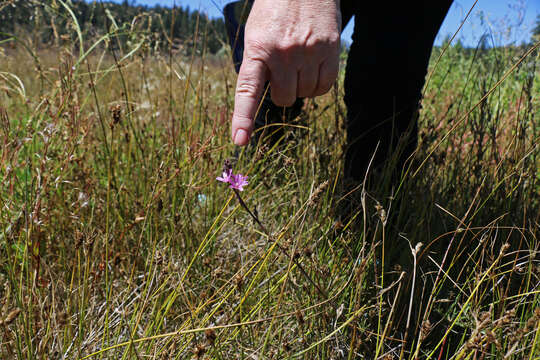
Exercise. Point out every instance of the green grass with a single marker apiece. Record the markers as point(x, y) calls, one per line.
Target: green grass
point(117, 242)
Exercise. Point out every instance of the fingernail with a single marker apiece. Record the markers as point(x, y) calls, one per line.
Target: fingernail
point(241, 137)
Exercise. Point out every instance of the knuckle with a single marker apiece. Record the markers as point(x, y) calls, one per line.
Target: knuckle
point(242, 121)
point(333, 38)
point(246, 88)
point(329, 44)
point(287, 45)
point(257, 48)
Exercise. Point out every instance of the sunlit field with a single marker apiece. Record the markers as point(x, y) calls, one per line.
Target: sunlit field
point(117, 242)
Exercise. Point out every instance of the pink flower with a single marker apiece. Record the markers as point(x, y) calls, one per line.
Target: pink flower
point(226, 176)
point(238, 182)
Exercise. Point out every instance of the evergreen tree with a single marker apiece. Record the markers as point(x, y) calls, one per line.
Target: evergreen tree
point(536, 30)
point(49, 22)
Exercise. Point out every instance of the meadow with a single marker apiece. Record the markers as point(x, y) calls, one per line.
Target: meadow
point(117, 242)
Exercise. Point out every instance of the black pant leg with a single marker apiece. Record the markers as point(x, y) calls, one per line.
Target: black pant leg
point(385, 74)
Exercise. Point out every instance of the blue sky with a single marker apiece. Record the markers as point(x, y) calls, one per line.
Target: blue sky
point(507, 21)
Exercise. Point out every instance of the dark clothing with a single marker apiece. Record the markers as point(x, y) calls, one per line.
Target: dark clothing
point(384, 77)
point(385, 73)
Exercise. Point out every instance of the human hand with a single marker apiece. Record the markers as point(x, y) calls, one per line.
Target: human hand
point(295, 45)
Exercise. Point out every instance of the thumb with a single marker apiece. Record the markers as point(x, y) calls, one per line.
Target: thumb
point(249, 88)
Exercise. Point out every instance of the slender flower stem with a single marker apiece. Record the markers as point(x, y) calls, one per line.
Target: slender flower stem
point(306, 275)
point(241, 201)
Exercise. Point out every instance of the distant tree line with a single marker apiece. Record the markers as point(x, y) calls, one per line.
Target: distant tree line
point(51, 22)
point(536, 30)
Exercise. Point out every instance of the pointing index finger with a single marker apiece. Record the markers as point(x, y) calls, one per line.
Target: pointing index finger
point(249, 88)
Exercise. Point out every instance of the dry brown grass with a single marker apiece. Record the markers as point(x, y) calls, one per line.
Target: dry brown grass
point(117, 242)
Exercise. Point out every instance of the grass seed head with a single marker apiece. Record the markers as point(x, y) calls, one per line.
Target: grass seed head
point(13, 314)
point(116, 114)
point(315, 195)
point(199, 350)
point(210, 335)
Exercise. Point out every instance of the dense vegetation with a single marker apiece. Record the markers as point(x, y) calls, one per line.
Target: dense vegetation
point(159, 27)
point(117, 242)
